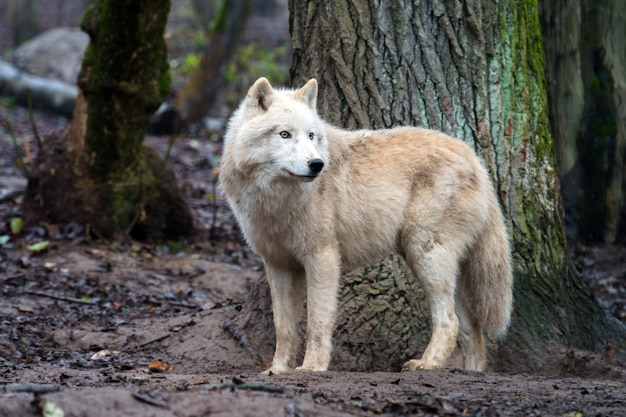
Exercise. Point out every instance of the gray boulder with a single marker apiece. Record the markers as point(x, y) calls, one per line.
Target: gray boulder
point(56, 54)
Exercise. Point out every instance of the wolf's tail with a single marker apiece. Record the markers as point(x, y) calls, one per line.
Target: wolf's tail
point(487, 277)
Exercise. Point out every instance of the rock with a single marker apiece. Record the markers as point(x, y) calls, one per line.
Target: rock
point(166, 121)
point(55, 54)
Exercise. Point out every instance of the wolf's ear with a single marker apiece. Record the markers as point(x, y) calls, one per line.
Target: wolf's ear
point(308, 92)
point(260, 95)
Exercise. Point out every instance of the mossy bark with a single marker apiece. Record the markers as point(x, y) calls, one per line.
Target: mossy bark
point(586, 72)
point(123, 79)
point(475, 70)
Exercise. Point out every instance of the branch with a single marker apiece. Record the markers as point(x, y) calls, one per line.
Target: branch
point(60, 297)
point(49, 94)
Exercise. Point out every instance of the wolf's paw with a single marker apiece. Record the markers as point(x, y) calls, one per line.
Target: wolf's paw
point(417, 364)
point(274, 370)
point(309, 369)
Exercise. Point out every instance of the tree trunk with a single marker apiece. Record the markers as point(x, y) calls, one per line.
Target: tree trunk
point(116, 184)
point(587, 112)
point(474, 70)
point(24, 20)
point(199, 92)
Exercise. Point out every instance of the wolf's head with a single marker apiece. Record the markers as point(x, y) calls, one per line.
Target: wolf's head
point(278, 133)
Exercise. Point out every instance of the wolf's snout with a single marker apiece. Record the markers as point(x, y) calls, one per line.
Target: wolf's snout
point(316, 165)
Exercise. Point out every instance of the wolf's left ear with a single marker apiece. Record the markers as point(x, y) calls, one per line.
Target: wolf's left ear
point(309, 93)
point(260, 95)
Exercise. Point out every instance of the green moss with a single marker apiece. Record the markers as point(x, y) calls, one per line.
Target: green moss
point(125, 77)
point(219, 23)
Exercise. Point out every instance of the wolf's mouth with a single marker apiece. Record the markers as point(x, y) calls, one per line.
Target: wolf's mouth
point(305, 178)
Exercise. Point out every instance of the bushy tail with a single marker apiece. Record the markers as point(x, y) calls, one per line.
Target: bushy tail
point(487, 282)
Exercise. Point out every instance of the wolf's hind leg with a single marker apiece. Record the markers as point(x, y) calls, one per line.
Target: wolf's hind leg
point(436, 268)
point(287, 291)
point(471, 338)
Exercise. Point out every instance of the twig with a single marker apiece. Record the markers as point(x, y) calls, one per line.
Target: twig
point(149, 398)
point(30, 387)
point(158, 339)
point(29, 157)
point(109, 244)
point(60, 297)
point(14, 276)
point(250, 386)
point(170, 144)
point(215, 207)
point(240, 336)
point(182, 304)
point(19, 153)
point(32, 123)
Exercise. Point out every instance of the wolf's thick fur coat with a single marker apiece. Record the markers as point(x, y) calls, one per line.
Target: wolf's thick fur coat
point(314, 200)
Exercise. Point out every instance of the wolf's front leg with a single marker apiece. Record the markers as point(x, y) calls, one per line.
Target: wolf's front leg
point(322, 283)
point(287, 291)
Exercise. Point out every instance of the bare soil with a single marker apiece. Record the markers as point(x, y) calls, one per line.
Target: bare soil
point(99, 328)
point(124, 328)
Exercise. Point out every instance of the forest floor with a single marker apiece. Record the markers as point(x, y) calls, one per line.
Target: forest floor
point(102, 328)
point(124, 328)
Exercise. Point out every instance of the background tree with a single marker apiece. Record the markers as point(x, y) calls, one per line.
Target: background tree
point(585, 48)
point(474, 70)
point(25, 21)
point(102, 175)
point(222, 22)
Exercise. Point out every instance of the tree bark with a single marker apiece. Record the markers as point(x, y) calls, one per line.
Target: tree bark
point(117, 184)
point(585, 45)
point(474, 70)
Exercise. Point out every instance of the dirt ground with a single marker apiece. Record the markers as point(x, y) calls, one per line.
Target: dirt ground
point(128, 329)
point(120, 328)
point(123, 328)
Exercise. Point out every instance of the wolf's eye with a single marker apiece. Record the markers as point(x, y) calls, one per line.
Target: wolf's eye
point(311, 135)
point(285, 135)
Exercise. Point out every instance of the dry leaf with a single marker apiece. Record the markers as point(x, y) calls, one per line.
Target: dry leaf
point(158, 366)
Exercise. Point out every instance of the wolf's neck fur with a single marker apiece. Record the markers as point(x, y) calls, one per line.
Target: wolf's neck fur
point(275, 203)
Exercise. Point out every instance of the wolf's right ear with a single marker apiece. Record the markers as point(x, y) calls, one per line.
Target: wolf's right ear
point(260, 95)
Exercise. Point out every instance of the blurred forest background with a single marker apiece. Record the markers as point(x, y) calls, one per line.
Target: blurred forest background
point(216, 52)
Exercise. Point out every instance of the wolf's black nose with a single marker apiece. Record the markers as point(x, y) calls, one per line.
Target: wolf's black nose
point(316, 165)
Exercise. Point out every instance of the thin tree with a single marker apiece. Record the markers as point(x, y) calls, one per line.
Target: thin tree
point(102, 175)
point(223, 22)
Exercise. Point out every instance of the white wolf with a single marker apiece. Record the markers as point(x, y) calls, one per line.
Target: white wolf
point(314, 200)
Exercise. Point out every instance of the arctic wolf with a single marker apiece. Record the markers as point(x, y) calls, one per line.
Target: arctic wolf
point(314, 200)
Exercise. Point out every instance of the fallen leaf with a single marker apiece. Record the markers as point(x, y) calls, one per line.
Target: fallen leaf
point(16, 225)
point(158, 366)
point(39, 246)
point(51, 410)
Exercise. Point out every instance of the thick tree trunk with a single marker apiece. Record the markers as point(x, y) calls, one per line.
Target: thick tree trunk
point(119, 185)
point(585, 50)
point(474, 70)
